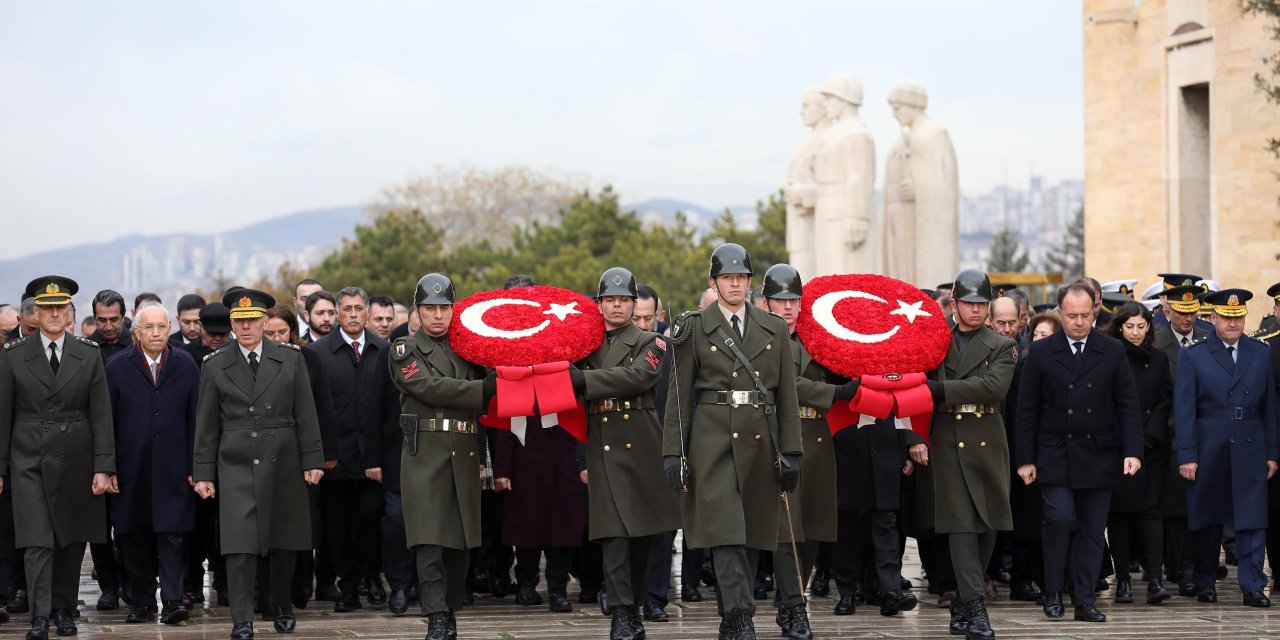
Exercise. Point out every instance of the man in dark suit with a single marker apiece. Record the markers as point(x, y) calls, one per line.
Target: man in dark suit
point(1227, 445)
point(1078, 428)
point(188, 330)
point(355, 362)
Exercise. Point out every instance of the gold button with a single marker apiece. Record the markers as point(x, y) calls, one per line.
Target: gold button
point(626, 416)
point(606, 447)
point(819, 439)
point(604, 419)
point(958, 416)
point(628, 445)
point(713, 347)
point(757, 374)
point(768, 346)
point(758, 436)
point(982, 444)
point(472, 454)
point(735, 434)
point(961, 445)
point(454, 453)
point(735, 374)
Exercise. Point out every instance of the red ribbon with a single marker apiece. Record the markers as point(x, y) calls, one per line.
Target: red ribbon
point(549, 386)
point(901, 395)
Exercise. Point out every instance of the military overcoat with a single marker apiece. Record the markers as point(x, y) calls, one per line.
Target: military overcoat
point(439, 470)
point(628, 496)
point(732, 496)
point(813, 514)
point(254, 438)
point(55, 433)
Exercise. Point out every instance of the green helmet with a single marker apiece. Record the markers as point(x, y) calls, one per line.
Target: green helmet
point(616, 281)
point(729, 258)
point(782, 282)
point(972, 285)
point(434, 288)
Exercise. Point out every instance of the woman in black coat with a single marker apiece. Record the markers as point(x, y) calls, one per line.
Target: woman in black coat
point(1135, 503)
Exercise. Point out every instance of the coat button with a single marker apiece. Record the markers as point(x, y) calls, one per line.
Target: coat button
point(1071, 386)
point(982, 444)
point(253, 434)
point(1088, 385)
point(255, 461)
point(735, 374)
point(1069, 435)
point(628, 445)
point(1248, 439)
point(1231, 393)
point(156, 436)
point(268, 405)
point(735, 435)
point(758, 436)
point(604, 419)
point(250, 408)
point(1070, 411)
point(1088, 410)
point(713, 347)
point(768, 346)
point(453, 453)
point(273, 458)
point(472, 454)
point(961, 445)
point(959, 417)
point(606, 447)
point(1246, 392)
point(626, 416)
point(819, 439)
point(1231, 440)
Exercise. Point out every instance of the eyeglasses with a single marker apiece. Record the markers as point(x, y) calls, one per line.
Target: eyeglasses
point(154, 328)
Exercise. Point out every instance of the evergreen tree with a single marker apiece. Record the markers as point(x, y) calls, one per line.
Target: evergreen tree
point(1068, 257)
point(1007, 254)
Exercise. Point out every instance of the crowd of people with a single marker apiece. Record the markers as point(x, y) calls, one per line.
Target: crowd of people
point(329, 450)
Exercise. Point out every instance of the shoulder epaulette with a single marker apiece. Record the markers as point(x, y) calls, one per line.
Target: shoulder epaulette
point(1196, 343)
point(400, 347)
point(1263, 340)
point(215, 352)
point(15, 342)
point(682, 326)
point(87, 341)
point(1268, 336)
point(290, 345)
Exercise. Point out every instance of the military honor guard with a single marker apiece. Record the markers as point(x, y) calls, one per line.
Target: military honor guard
point(441, 396)
point(969, 454)
point(257, 437)
point(1269, 328)
point(742, 443)
point(1227, 445)
point(53, 390)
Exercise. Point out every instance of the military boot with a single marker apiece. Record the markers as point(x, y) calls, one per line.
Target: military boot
point(438, 626)
point(799, 629)
point(744, 627)
point(784, 620)
point(621, 626)
point(979, 621)
point(959, 624)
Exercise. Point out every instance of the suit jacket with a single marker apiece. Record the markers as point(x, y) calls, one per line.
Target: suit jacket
point(1226, 417)
point(55, 433)
point(155, 430)
point(108, 350)
point(364, 400)
point(1078, 418)
point(1164, 340)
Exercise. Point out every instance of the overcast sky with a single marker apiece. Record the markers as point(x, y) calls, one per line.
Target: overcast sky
point(157, 117)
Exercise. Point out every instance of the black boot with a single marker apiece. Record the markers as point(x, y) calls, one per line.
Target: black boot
point(821, 584)
point(743, 626)
point(39, 629)
point(1156, 593)
point(1124, 592)
point(783, 618)
point(438, 626)
point(620, 628)
point(846, 605)
point(979, 622)
point(284, 621)
point(959, 623)
point(800, 629)
point(637, 623)
point(453, 626)
point(559, 602)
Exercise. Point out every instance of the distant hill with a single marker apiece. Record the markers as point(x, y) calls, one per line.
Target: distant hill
point(663, 210)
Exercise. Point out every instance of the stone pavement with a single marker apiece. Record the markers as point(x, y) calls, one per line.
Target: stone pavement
point(494, 619)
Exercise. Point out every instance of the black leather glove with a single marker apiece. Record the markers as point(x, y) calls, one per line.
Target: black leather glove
point(789, 475)
point(489, 389)
point(847, 390)
point(935, 389)
point(579, 380)
point(671, 465)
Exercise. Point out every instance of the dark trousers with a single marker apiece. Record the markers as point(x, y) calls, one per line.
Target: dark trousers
point(242, 576)
point(1273, 543)
point(588, 566)
point(1250, 545)
point(735, 568)
point(443, 575)
point(106, 559)
point(625, 562)
point(1074, 520)
point(13, 574)
point(53, 578)
point(346, 516)
point(1147, 530)
point(1177, 550)
point(789, 585)
point(970, 555)
point(559, 559)
point(148, 555)
point(493, 557)
point(397, 560)
point(863, 535)
point(660, 556)
point(1028, 562)
point(203, 544)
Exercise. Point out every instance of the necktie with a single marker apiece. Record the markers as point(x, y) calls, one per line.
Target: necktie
point(253, 363)
point(53, 356)
point(737, 329)
point(1079, 349)
point(1231, 351)
point(1185, 341)
point(155, 372)
point(355, 347)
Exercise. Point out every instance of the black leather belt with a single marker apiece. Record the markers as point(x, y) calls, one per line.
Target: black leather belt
point(736, 398)
point(445, 425)
point(258, 423)
point(1232, 413)
point(606, 405)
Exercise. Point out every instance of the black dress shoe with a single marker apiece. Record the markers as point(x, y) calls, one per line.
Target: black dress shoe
point(654, 613)
point(975, 611)
point(588, 596)
point(905, 584)
point(845, 607)
point(438, 626)
point(109, 600)
point(242, 631)
point(65, 624)
point(895, 602)
point(1101, 585)
point(1156, 593)
point(4, 615)
point(174, 613)
point(347, 603)
point(499, 586)
point(821, 584)
point(362, 587)
point(690, 593)
point(301, 598)
point(859, 593)
point(760, 593)
point(1124, 592)
point(18, 602)
point(1222, 571)
point(558, 603)
point(411, 594)
point(1089, 613)
point(1256, 599)
point(284, 621)
point(468, 599)
point(1023, 592)
point(452, 623)
point(39, 629)
point(1187, 590)
point(328, 592)
point(139, 615)
point(1207, 595)
point(527, 596)
point(398, 602)
point(1053, 606)
point(377, 594)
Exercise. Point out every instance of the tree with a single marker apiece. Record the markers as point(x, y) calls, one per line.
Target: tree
point(767, 243)
point(1007, 253)
point(1068, 257)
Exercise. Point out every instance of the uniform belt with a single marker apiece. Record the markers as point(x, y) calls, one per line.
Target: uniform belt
point(735, 398)
point(605, 405)
point(445, 425)
point(1232, 413)
point(50, 416)
point(971, 408)
point(810, 413)
point(258, 423)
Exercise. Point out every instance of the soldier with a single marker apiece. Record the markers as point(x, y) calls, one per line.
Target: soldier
point(440, 397)
point(970, 455)
point(257, 434)
point(743, 441)
point(1227, 445)
point(628, 503)
point(811, 517)
point(53, 397)
point(1269, 328)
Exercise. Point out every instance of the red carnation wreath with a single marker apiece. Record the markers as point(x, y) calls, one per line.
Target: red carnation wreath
point(883, 331)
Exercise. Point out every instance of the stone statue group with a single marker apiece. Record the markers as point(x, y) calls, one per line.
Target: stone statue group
point(833, 225)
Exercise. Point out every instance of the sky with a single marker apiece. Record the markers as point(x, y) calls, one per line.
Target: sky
point(196, 116)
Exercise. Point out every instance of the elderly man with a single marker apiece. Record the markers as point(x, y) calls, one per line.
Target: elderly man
point(53, 396)
point(257, 434)
point(153, 390)
point(8, 319)
point(1226, 443)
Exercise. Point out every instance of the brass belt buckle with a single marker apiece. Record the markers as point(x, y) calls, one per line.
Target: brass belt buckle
point(608, 404)
point(740, 397)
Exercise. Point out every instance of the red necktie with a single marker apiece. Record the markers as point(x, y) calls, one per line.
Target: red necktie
point(355, 346)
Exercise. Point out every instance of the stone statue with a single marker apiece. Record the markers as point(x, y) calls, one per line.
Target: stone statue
point(801, 189)
point(844, 170)
point(921, 195)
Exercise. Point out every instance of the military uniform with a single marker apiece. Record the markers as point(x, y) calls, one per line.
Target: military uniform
point(256, 433)
point(55, 435)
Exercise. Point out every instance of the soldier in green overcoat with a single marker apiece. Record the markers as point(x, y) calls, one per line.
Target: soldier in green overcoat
point(628, 500)
point(57, 453)
point(742, 443)
point(970, 454)
point(257, 447)
point(440, 397)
